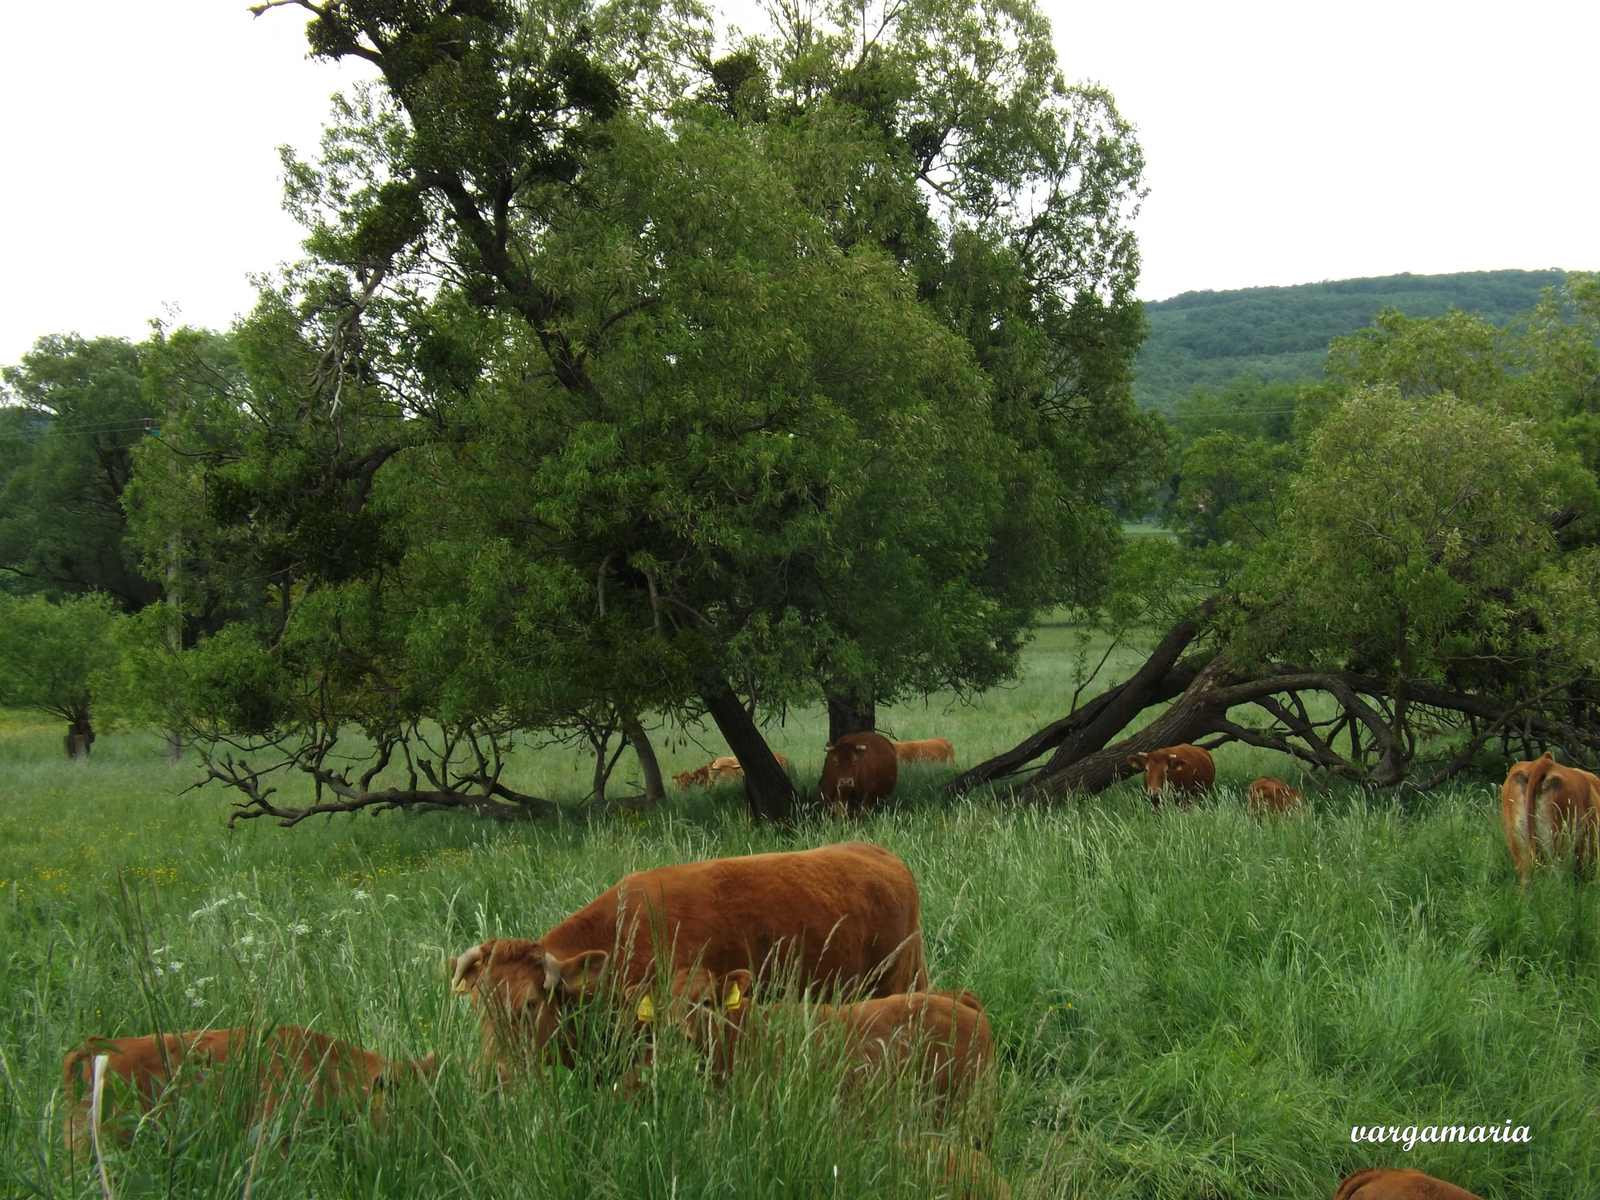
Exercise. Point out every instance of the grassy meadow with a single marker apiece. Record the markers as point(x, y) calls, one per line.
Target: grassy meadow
point(1187, 1003)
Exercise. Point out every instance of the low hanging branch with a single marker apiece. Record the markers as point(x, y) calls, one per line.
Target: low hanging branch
point(430, 787)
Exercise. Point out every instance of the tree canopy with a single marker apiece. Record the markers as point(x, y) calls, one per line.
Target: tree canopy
point(623, 378)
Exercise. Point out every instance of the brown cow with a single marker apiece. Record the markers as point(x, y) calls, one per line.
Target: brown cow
point(1186, 771)
point(860, 770)
point(932, 750)
point(945, 1033)
point(138, 1072)
point(718, 770)
point(1388, 1183)
point(1269, 795)
point(1544, 805)
point(842, 917)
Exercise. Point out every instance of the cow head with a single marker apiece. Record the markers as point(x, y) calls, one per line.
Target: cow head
point(522, 991)
point(1161, 768)
point(709, 1010)
point(846, 757)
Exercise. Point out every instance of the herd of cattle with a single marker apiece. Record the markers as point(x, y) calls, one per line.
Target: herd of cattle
point(702, 951)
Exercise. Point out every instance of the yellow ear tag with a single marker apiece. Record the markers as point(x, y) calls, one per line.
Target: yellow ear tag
point(462, 988)
point(646, 1011)
point(734, 999)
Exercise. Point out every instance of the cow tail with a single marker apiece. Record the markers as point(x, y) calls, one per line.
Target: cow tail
point(1535, 782)
point(70, 1075)
point(917, 979)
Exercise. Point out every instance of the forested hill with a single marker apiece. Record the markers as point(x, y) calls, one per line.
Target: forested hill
point(1282, 333)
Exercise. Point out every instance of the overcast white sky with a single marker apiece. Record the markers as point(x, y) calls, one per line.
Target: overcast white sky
point(1287, 142)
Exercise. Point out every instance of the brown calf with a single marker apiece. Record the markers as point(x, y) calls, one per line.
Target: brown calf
point(139, 1072)
point(842, 917)
point(718, 770)
point(1388, 1183)
point(945, 1034)
point(1549, 807)
point(1269, 795)
point(1183, 771)
point(860, 770)
point(931, 750)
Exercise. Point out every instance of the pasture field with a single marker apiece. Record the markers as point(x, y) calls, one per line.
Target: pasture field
point(1187, 1003)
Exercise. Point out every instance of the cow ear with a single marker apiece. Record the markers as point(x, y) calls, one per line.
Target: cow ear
point(577, 977)
point(1137, 761)
point(1550, 754)
point(736, 988)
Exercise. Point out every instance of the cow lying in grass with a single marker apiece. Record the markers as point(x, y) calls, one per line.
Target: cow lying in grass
point(1269, 795)
point(1387, 1183)
point(844, 917)
point(119, 1080)
point(943, 1036)
point(929, 750)
point(719, 770)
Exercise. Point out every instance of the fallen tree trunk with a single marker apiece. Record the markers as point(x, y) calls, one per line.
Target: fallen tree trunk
point(1375, 719)
point(1080, 733)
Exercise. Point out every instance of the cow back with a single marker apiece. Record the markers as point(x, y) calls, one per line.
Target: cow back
point(841, 917)
point(1388, 1183)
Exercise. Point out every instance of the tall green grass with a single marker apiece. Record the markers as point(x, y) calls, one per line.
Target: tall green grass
point(1187, 1003)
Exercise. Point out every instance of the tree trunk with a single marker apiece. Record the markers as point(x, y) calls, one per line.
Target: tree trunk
point(80, 736)
point(850, 714)
point(1139, 694)
point(1191, 718)
point(649, 767)
point(768, 789)
point(1102, 718)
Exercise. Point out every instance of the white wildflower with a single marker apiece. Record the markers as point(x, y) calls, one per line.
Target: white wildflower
point(247, 939)
point(360, 896)
point(299, 929)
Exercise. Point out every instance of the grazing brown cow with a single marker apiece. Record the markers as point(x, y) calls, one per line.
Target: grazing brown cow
point(1185, 771)
point(1269, 795)
point(842, 917)
point(945, 1033)
point(1388, 1183)
point(860, 770)
point(139, 1071)
point(1549, 807)
point(718, 770)
point(932, 750)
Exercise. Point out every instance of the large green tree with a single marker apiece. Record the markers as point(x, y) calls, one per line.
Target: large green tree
point(610, 388)
point(53, 657)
